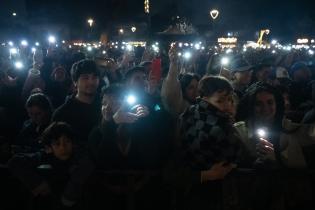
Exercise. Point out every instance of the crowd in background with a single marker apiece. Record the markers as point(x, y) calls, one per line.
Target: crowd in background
point(182, 116)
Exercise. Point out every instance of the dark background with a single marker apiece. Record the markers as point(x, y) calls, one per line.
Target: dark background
point(286, 18)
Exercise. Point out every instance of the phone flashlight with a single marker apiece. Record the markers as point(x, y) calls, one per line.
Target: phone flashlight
point(18, 65)
point(261, 133)
point(131, 100)
point(187, 55)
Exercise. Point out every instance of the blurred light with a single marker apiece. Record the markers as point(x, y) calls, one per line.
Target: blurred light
point(104, 52)
point(311, 52)
point(33, 49)
point(214, 14)
point(13, 51)
point(10, 43)
point(186, 44)
point(312, 41)
point(121, 31)
point(273, 52)
point(133, 29)
point(180, 44)
point(51, 39)
point(18, 65)
point(229, 34)
point(89, 48)
point(37, 44)
point(244, 49)
point(90, 22)
point(179, 54)
point(225, 61)
point(156, 43)
point(228, 51)
point(131, 100)
point(14, 14)
point(129, 47)
point(274, 42)
point(24, 43)
point(203, 48)
point(187, 55)
point(70, 46)
point(261, 133)
point(197, 46)
point(63, 41)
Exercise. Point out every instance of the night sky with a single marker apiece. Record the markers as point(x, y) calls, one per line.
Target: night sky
point(284, 17)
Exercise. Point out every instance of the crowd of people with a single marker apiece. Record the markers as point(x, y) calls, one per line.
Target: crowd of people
point(159, 121)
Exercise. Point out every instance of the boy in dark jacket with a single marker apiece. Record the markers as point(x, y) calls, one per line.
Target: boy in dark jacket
point(68, 169)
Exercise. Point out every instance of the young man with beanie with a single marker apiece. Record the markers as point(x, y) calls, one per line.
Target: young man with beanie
point(82, 111)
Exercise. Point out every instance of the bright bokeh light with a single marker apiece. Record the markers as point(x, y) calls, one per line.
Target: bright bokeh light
point(24, 43)
point(52, 39)
point(131, 100)
point(225, 61)
point(19, 65)
point(13, 51)
point(187, 55)
point(261, 133)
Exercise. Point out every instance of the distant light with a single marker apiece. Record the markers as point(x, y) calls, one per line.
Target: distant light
point(37, 44)
point(274, 42)
point(57, 45)
point(33, 49)
point(129, 47)
point(229, 34)
point(10, 43)
point(244, 49)
point(197, 46)
point(187, 55)
point(273, 52)
point(133, 29)
point(203, 48)
point(89, 48)
point(63, 41)
point(177, 17)
point(186, 44)
point(214, 14)
point(180, 44)
point(52, 39)
point(70, 46)
point(228, 51)
point(14, 14)
point(90, 22)
point(116, 46)
point(104, 52)
point(13, 51)
point(156, 43)
point(225, 61)
point(288, 48)
point(179, 54)
point(311, 52)
point(312, 41)
point(19, 65)
point(121, 31)
point(24, 43)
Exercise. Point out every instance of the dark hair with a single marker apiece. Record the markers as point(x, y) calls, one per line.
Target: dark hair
point(56, 130)
point(246, 111)
point(40, 100)
point(185, 80)
point(84, 67)
point(208, 85)
point(114, 90)
point(246, 108)
point(132, 71)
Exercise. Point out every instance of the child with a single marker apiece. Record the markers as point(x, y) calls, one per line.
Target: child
point(68, 169)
